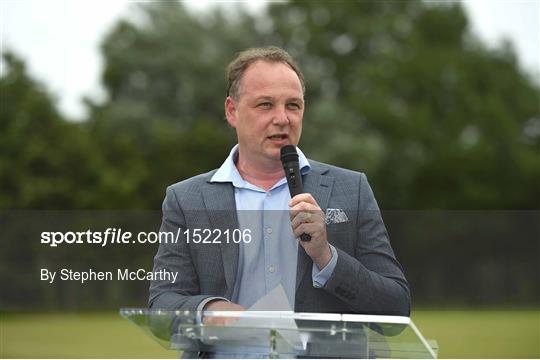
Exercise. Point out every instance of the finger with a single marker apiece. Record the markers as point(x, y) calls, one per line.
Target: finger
point(314, 230)
point(219, 321)
point(296, 219)
point(313, 216)
point(303, 207)
point(307, 228)
point(304, 197)
point(295, 212)
point(216, 322)
point(303, 217)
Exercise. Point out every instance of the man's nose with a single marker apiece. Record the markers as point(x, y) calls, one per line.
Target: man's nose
point(280, 116)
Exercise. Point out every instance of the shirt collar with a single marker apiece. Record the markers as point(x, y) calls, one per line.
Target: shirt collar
point(229, 173)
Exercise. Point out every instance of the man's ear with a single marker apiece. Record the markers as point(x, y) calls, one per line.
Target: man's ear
point(230, 111)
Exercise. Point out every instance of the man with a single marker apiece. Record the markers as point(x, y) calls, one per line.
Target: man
point(348, 266)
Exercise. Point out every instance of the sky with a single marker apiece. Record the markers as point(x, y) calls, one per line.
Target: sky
point(40, 30)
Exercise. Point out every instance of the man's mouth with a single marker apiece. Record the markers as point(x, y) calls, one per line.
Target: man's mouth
point(278, 137)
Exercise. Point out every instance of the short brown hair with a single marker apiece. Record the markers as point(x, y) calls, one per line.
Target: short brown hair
point(238, 66)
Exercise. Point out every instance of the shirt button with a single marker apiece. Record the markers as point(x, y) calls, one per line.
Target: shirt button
point(269, 230)
point(271, 269)
point(269, 193)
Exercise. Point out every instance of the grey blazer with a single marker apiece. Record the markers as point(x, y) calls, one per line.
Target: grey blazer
point(367, 278)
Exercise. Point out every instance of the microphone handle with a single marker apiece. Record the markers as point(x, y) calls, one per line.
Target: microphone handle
point(294, 180)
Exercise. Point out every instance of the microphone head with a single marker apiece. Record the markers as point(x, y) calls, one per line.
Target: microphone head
point(288, 154)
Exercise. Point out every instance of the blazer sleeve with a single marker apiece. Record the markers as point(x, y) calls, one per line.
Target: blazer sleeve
point(370, 280)
point(184, 293)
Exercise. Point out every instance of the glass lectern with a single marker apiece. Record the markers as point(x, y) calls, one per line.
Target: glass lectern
point(283, 334)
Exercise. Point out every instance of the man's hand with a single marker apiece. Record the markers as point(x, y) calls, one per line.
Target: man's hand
point(221, 305)
point(308, 218)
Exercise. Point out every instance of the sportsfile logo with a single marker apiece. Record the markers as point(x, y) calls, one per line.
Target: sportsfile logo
point(118, 236)
point(109, 236)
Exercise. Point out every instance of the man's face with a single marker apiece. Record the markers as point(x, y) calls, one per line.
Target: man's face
point(268, 112)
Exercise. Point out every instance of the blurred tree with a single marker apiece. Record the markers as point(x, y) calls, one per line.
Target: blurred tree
point(402, 90)
point(399, 89)
point(45, 162)
point(164, 75)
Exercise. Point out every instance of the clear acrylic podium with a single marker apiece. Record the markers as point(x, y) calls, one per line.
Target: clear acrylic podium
point(283, 334)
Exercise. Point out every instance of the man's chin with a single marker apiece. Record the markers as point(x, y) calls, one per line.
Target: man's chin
point(273, 150)
point(273, 154)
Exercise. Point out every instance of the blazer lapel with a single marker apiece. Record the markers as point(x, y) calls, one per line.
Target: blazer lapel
point(320, 187)
point(221, 209)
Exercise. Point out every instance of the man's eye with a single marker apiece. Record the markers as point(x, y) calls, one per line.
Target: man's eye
point(265, 105)
point(293, 106)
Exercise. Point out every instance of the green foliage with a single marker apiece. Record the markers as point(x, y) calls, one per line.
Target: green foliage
point(401, 90)
point(45, 162)
point(398, 89)
point(164, 120)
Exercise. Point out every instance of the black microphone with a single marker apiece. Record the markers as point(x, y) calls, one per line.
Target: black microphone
point(289, 159)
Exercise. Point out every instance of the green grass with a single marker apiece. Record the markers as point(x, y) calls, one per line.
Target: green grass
point(89, 335)
point(482, 333)
point(460, 334)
